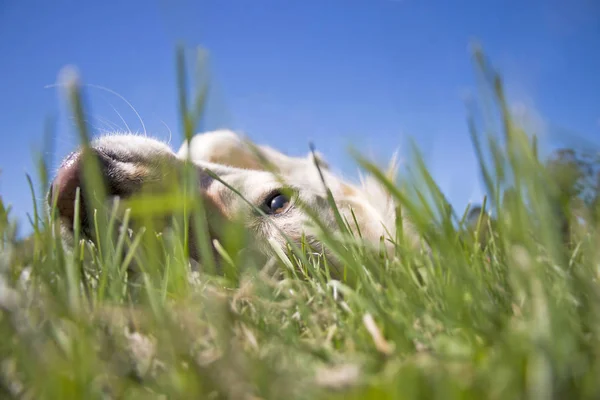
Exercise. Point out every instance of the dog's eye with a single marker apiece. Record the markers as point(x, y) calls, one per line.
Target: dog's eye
point(277, 204)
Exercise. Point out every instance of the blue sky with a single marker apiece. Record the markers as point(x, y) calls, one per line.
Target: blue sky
point(372, 73)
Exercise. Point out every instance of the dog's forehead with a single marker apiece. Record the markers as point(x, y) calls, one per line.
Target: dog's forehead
point(132, 145)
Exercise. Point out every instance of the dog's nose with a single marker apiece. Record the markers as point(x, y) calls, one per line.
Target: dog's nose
point(64, 187)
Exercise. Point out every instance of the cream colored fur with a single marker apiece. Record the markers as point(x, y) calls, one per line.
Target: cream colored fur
point(239, 163)
point(373, 206)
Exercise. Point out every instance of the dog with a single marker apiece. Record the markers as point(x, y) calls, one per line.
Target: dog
point(276, 196)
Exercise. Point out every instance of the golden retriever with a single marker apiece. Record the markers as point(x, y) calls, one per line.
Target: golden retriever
point(285, 190)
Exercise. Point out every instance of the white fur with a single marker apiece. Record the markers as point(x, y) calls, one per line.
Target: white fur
point(234, 159)
point(372, 204)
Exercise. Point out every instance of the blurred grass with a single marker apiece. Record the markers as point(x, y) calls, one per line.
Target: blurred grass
point(501, 310)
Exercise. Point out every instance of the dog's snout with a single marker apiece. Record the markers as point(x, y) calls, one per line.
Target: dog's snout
point(64, 187)
point(69, 177)
point(124, 173)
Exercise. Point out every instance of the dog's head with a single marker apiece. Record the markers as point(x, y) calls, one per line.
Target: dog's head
point(276, 200)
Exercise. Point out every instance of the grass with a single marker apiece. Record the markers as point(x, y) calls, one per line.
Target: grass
point(502, 310)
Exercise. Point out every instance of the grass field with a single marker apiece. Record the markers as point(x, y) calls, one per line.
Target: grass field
point(501, 310)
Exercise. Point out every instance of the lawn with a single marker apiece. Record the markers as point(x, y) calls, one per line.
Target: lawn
point(503, 306)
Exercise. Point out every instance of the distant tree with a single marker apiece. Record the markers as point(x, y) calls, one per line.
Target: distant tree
point(576, 179)
point(577, 173)
point(576, 176)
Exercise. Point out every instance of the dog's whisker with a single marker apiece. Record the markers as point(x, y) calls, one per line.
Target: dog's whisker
point(120, 116)
point(124, 100)
point(108, 125)
point(54, 85)
point(169, 129)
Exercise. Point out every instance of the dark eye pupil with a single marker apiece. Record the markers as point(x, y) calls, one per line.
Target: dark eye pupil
point(278, 204)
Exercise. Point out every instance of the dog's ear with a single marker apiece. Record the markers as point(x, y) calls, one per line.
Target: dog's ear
point(221, 147)
point(229, 148)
